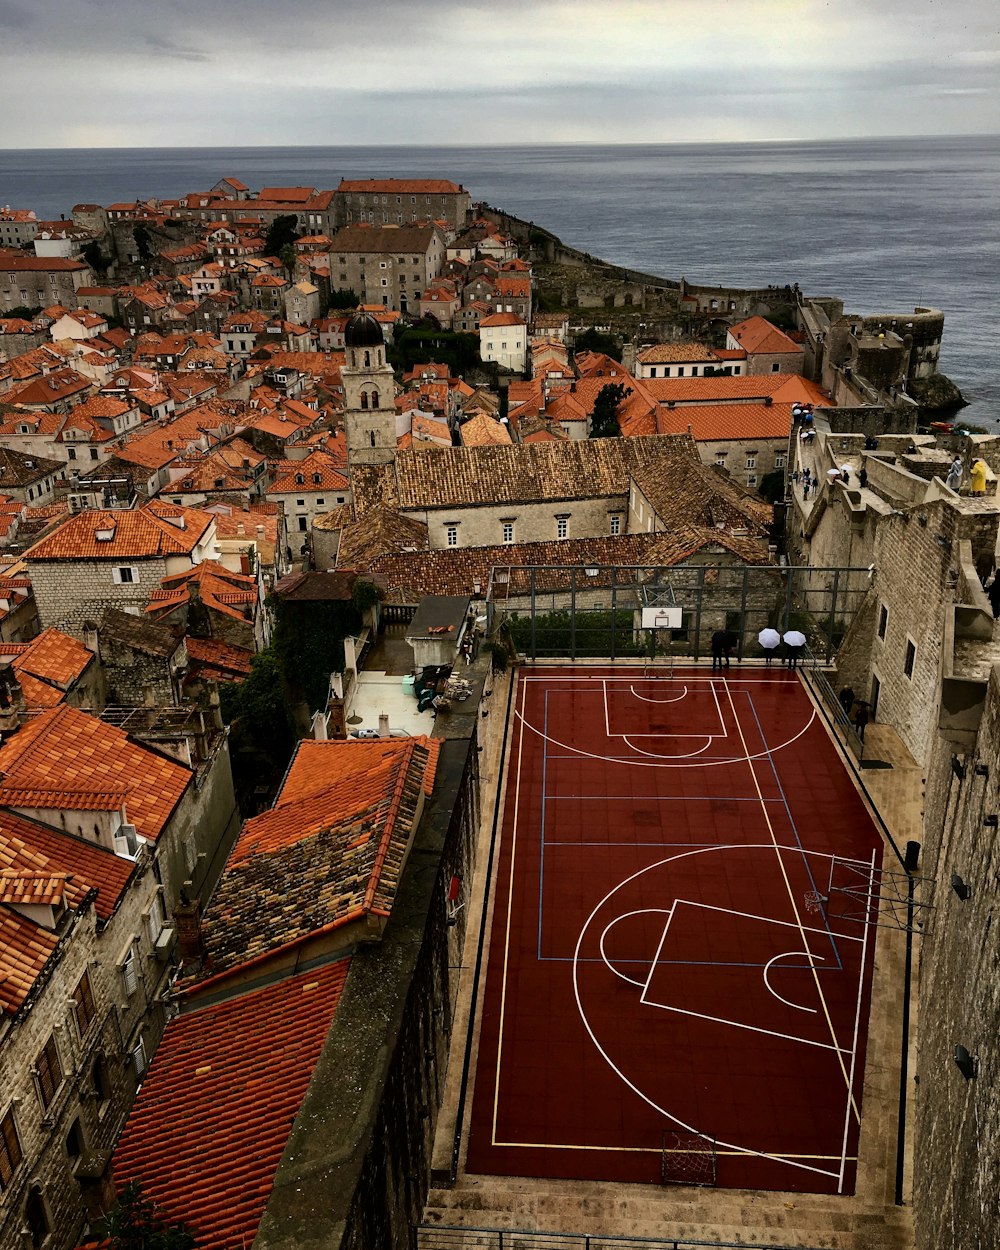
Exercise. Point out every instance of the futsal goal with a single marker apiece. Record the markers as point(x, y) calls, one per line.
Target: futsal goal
point(687, 1159)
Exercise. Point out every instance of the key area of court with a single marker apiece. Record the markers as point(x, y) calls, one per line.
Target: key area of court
point(676, 989)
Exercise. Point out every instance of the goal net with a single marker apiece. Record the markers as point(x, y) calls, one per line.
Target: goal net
point(687, 1159)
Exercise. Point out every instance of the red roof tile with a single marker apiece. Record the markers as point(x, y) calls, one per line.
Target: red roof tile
point(65, 749)
point(209, 1126)
point(153, 532)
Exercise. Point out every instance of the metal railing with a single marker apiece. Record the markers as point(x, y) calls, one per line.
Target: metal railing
point(455, 1237)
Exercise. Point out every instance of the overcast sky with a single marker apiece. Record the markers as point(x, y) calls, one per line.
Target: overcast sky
point(130, 73)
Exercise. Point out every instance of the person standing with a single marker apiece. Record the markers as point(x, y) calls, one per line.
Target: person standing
point(846, 698)
point(978, 476)
point(861, 718)
point(720, 650)
point(994, 595)
point(954, 479)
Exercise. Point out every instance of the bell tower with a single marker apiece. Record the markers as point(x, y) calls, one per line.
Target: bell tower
point(369, 394)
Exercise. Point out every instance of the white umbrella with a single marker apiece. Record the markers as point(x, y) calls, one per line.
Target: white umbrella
point(833, 473)
point(769, 638)
point(795, 638)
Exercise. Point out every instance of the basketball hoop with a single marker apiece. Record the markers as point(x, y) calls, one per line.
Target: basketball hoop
point(815, 902)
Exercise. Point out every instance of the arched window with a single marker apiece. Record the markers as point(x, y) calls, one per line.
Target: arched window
point(36, 1217)
point(368, 360)
point(374, 399)
point(299, 479)
point(75, 1144)
point(99, 1079)
point(364, 399)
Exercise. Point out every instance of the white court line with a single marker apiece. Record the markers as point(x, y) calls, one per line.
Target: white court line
point(787, 924)
point(642, 911)
point(787, 1001)
point(727, 1145)
point(857, 1021)
point(795, 909)
point(506, 943)
point(643, 698)
point(613, 759)
point(750, 1028)
point(656, 754)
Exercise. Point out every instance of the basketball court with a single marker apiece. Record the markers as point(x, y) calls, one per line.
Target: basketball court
point(682, 938)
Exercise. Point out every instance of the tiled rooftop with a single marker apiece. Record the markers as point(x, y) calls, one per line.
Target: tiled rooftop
point(330, 850)
point(145, 533)
point(66, 749)
point(214, 1114)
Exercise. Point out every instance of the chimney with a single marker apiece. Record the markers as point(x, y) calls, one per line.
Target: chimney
point(187, 920)
point(90, 638)
point(383, 724)
point(240, 530)
point(319, 726)
point(768, 401)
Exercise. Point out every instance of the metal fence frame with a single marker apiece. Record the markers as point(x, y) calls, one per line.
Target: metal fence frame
point(455, 1237)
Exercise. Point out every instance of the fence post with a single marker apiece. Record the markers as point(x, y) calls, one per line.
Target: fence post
point(700, 591)
point(534, 610)
point(572, 614)
point(743, 612)
point(614, 610)
point(833, 615)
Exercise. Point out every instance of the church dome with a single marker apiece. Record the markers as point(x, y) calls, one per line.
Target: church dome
point(362, 330)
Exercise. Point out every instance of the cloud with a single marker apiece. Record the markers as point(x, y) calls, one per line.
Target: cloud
point(440, 71)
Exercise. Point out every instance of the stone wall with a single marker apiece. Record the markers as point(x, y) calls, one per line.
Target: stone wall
point(356, 1168)
point(66, 590)
point(957, 1121)
point(533, 522)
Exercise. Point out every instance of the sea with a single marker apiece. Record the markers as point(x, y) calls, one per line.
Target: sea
point(885, 224)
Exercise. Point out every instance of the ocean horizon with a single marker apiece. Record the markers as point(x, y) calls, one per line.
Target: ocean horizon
point(887, 224)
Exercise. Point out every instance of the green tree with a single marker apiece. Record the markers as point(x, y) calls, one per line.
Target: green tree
point(281, 232)
point(772, 486)
point(137, 1223)
point(261, 734)
point(592, 340)
point(343, 297)
point(604, 418)
point(23, 312)
point(287, 257)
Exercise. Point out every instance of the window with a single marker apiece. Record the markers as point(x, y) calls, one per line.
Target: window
point(36, 1217)
point(562, 526)
point(125, 575)
point(156, 917)
point(130, 972)
point(84, 1007)
point(508, 531)
point(751, 479)
point(11, 1153)
point(303, 523)
point(48, 1071)
point(75, 1143)
point(883, 620)
point(94, 453)
point(910, 657)
point(138, 1056)
point(779, 461)
point(451, 535)
point(71, 452)
point(616, 525)
point(300, 503)
point(751, 462)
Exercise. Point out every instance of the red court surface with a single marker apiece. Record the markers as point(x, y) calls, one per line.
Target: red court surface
point(667, 994)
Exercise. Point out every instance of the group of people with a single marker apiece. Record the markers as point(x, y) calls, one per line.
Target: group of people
point(856, 710)
point(807, 480)
point(977, 476)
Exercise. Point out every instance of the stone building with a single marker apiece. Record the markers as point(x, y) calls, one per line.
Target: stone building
point(40, 281)
point(98, 833)
point(398, 201)
point(307, 488)
point(385, 265)
point(143, 661)
point(118, 558)
point(768, 349)
point(503, 338)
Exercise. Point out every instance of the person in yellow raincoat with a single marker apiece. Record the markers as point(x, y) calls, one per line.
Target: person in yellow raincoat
point(978, 476)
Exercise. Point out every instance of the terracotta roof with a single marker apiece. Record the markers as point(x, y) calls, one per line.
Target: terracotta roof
point(211, 1121)
point(378, 532)
point(574, 469)
point(15, 470)
point(670, 353)
point(317, 463)
point(788, 386)
point(32, 889)
point(233, 594)
point(758, 336)
point(330, 850)
point(24, 262)
point(219, 655)
point(401, 186)
point(373, 239)
point(30, 847)
point(25, 949)
point(67, 749)
point(149, 533)
point(409, 576)
point(712, 422)
point(501, 319)
point(481, 431)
